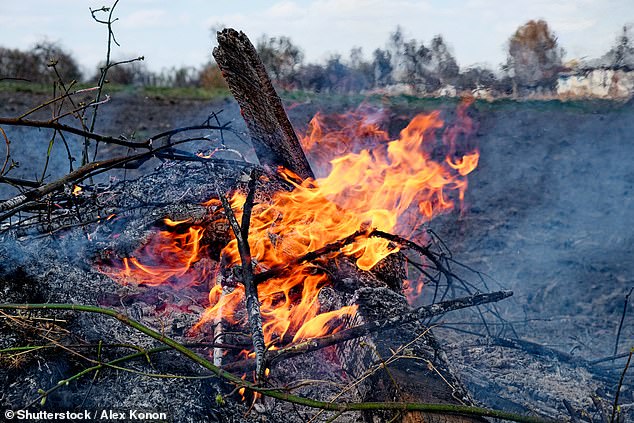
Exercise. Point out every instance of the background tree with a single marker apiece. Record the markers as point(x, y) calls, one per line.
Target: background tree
point(424, 69)
point(410, 61)
point(534, 58)
point(382, 67)
point(312, 77)
point(18, 64)
point(337, 74)
point(443, 63)
point(361, 71)
point(474, 78)
point(621, 55)
point(416, 60)
point(210, 77)
point(36, 65)
point(281, 58)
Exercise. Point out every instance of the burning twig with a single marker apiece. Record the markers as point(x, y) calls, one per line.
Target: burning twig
point(420, 313)
point(250, 288)
point(312, 255)
point(280, 394)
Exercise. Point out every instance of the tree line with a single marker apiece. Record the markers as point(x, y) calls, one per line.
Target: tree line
point(534, 62)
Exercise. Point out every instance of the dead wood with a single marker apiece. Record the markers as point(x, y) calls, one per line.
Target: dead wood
point(420, 313)
point(250, 289)
point(53, 124)
point(407, 363)
point(311, 255)
point(272, 134)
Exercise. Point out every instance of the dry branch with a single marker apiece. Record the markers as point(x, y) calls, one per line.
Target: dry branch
point(355, 332)
point(280, 394)
point(145, 145)
point(250, 289)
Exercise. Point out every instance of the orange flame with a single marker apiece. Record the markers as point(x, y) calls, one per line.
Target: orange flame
point(372, 182)
point(167, 258)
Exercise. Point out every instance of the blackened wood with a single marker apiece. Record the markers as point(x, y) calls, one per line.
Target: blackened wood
point(392, 322)
point(406, 379)
point(272, 134)
point(425, 376)
point(250, 289)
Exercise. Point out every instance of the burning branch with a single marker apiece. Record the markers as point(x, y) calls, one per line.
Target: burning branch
point(250, 288)
point(355, 332)
point(310, 256)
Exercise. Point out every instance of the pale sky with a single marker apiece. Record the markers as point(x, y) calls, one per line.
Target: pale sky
point(175, 33)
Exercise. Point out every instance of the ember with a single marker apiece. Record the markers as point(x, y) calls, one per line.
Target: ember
point(373, 182)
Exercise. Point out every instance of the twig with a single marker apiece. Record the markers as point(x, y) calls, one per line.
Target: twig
point(618, 333)
point(104, 71)
point(54, 100)
point(71, 129)
point(312, 255)
point(15, 204)
point(615, 406)
point(95, 368)
point(8, 153)
point(248, 204)
point(147, 144)
point(250, 288)
point(72, 176)
point(571, 411)
point(610, 358)
point(283, 396)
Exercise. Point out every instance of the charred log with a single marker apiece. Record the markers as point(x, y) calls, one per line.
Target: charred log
point(272, 134)
point(402, 364)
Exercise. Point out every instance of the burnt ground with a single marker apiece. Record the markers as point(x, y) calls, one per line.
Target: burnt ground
point(548, 215)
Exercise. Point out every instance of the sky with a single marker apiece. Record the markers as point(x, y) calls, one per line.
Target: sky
point(178, 33)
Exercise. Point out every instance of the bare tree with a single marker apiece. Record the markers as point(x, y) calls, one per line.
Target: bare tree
point(534, 57)
point(281, 58)
point(622, 54)
point(444, 64)
point(36, 64)
point(361, 71)
point(382, 65)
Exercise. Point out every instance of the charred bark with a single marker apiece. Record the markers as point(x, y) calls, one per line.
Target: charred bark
point(423, 374)
point(272, 134)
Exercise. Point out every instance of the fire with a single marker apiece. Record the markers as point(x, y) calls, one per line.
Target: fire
point(372, 181)
point(167, 258)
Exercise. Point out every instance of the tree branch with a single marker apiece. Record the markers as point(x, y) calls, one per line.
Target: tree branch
point(250, 288)
point(420, 313)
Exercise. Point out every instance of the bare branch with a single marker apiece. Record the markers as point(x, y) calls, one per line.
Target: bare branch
point(420, 313)
point(250, 288)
